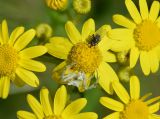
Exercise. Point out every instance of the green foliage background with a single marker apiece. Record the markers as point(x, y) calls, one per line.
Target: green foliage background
point(30, 13)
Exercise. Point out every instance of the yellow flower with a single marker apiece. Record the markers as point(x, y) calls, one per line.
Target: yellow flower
point(133, 107)
point(16, 62)
point(56, 109)
point(141, 36)
point(83, 57)
point(82, 6)
point(57, 4)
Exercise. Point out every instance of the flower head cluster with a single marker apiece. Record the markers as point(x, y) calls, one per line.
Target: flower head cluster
point(86, 56)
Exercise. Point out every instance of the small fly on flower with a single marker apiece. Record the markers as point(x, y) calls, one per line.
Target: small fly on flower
point(95, 39)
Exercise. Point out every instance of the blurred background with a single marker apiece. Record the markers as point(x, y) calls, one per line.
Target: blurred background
point(30, 13)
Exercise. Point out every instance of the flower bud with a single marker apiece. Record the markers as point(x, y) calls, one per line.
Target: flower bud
point(57, 4)
point(82, 6)
point(124, 74)
point(43, 31)
point(122, 57)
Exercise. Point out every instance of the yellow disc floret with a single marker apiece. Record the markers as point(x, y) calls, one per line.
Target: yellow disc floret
point(85, 58)
point(147, 35)
point(136, 110)
point(8, 60)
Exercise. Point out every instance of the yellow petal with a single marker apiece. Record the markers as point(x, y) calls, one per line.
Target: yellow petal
point(154, 61)
point(59, 47)
point(154, 11)
point(85, 115)
point(119, 46)
point(120, 34)
point(122, 39)
point(112, 104)
point(154, 108)
point(143, 9)
point(145, 96)
point(134, 55)
point(123, 21)
point(35, 106)
point(56, 51)
point(115, 115)
point(33, 52)
point(121, 92)
point(154, 116)
point(109, 57)
point(45, 101)
point(105, 76)
point(72, 32)
point(32, 65)
point(134, 88)
point(61, 41)
point(15, 34)
point(18, 82)
point(74, 108)
point(133, 11)
point(158, 21)
point(105, 42)
point(1, 87)
point(5, 34)
point(60, 100)
point(28, 77)
point(152, 100)
point(145, 62)
point(88, 29)
point(60, 66)
point(102, 31)
point(1, 38)
point(5, 83)
point(25, 115)
point(24, 39)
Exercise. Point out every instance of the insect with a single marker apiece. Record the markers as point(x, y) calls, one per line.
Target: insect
point(76, 78)
point(71, 77)
point(95, 39)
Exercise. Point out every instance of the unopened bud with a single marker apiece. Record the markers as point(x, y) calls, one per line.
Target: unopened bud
point(57, 4)
point(82, 6)
point(43, 31)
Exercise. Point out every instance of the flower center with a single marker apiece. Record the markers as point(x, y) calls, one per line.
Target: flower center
point(147, 35)
point(8, 60)
point(136, 110)
point(85, 58)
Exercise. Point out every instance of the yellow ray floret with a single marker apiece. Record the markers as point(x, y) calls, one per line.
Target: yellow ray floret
point(16, 62)
point(131, 106)
point(56, 109)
